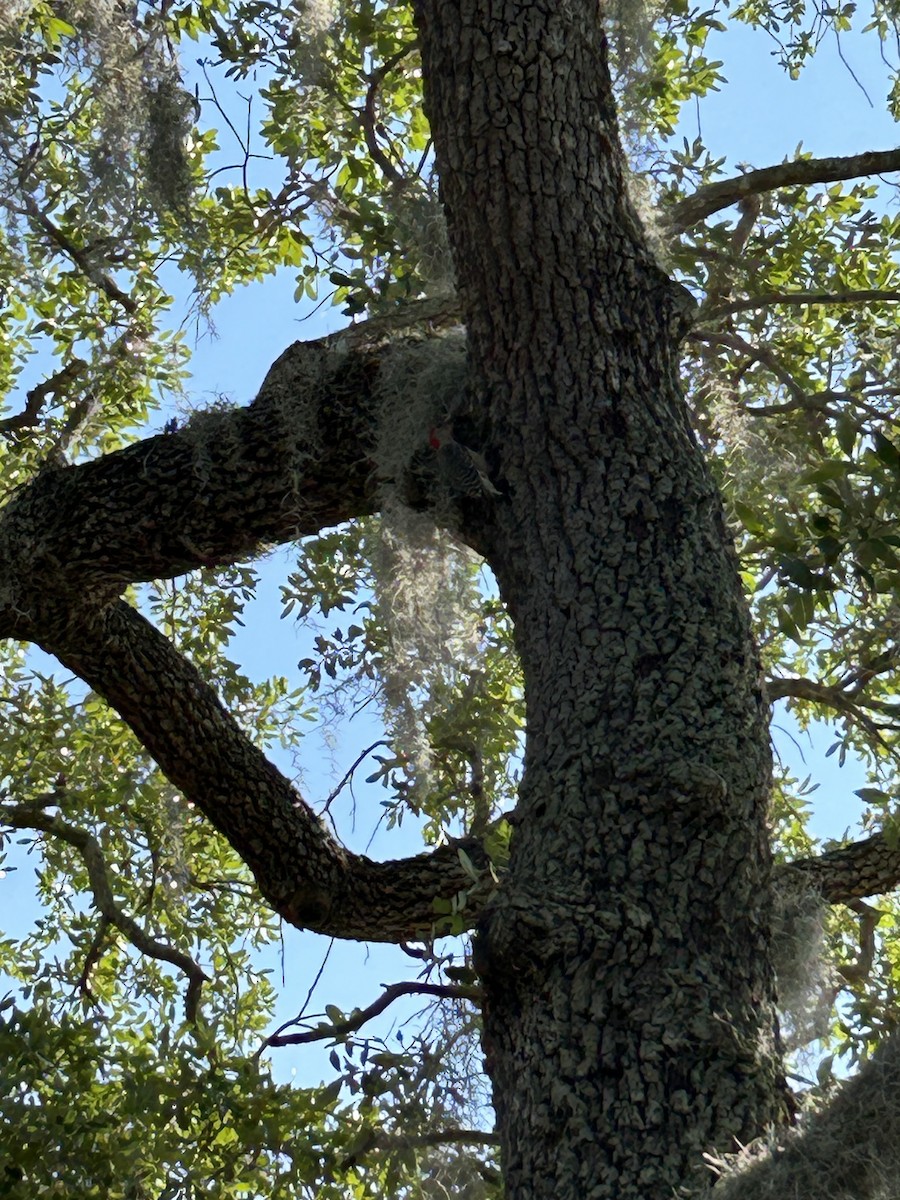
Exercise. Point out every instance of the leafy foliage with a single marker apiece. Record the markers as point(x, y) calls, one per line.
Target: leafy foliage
point(111, 171)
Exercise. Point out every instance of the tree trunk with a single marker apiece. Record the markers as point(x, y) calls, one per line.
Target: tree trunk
point(629, 1001)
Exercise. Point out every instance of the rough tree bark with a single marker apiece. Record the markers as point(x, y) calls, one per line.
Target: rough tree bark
point(628, 1016)
point(629, 1021)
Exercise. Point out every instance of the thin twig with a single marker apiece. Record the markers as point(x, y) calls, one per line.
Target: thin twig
point(755, 353)
point(83, 984)
point(58, 384)
point(864, 296)
point(332, 796)
point(299, 1017)
point(360, 1017)
point(369, 117)
point(438, 1137)
point(81, 259)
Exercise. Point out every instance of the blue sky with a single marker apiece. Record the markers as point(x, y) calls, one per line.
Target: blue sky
point(758, 118)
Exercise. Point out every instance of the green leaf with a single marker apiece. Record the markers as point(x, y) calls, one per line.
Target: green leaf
point(886, 450)
point(872, 795)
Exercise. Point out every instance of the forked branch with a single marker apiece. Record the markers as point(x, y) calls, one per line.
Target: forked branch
point(334, 1030)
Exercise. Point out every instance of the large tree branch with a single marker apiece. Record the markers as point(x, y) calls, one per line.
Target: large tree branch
point(304, 874)
point(715, 196)
point(849, 700)
point(439, 1137)
point(298, 459)
point(866, 868)
point(370, 1139)
point(798, 688)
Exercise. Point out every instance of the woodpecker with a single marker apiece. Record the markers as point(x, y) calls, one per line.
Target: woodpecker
point(462, 471)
